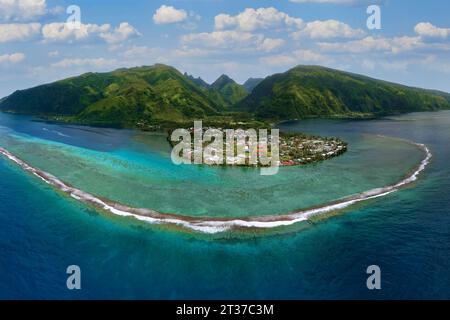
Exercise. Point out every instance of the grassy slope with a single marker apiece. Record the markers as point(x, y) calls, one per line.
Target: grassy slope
point(229, 90)
point(307, 91)
point(160, 94)
point(122, 97)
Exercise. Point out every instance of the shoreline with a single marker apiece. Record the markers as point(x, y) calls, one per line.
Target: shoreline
point(218, 225)
point(66, 120)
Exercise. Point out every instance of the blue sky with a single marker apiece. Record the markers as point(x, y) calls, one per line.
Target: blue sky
point(242, 38)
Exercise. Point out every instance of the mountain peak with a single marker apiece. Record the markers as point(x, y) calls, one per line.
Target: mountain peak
point(198, 81)
point(222, 81)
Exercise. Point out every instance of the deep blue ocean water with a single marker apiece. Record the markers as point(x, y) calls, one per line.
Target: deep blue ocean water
point(406, 233)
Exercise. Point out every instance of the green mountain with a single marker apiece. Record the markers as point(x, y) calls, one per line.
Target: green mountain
point(307, 91)
point(123, 97)
point(161, 95)
point(251, 83)
point(198, 81)
point(230, 91)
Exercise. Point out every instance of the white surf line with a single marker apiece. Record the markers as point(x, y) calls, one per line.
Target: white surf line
point(209, 225)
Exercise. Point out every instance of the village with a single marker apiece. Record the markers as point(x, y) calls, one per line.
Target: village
point(294, 149)
point(300, 149)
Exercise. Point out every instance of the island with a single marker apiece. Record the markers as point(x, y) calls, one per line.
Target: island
point(159, 97)
point(294, 149)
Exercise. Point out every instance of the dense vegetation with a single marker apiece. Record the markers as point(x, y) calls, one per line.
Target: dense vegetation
point(160, 95)
point(123, 97)
point(229, 90)
point(307, 91)
point(251, 83)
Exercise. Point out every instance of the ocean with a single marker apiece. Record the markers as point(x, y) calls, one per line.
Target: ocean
point(406, 233)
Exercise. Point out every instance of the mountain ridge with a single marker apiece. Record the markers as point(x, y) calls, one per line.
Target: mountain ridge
point(306, 91)
point(162, 94)
point(251, 83)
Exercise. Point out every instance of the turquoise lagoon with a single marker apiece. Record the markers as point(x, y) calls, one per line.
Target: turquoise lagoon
point(42, 231)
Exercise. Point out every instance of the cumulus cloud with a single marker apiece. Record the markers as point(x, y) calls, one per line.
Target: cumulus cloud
point(428, 30)
point(233, 39)
point(58, 31)
point(358, 46)
point(405, 43)
point(327, 29)
point(168, 14)
point(22, 10)
point(123, 32)
point(12, 58)
point(63, 32)
point(270, 44)
point(377, 44)
point(26, 10)
point(18, 31)
point(253, 19)
point(219, 38)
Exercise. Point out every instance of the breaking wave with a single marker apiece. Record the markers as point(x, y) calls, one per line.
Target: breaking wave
point(217, 225)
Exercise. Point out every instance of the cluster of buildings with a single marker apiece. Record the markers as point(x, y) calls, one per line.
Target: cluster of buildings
point(293, 149)
point(301, 149)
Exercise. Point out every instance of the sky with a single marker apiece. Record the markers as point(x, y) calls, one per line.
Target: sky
point(41, 42)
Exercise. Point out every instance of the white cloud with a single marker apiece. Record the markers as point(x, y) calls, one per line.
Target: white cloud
point(22, 10)
point(18, 31)
point(168, 14)
point(310, 56)
point(270, 44)
point(378, 44)
point(232, 39)
point(327, 29)
point(63, 32)
point(253, 19)
point(123, 32)
point(220, 38)
point(405, 43)
point(358, 46)
point(96, 63)
point(12, 58)
point(428, 30)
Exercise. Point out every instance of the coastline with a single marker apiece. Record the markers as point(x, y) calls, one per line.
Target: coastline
point(71, 120)
point(218, 225)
